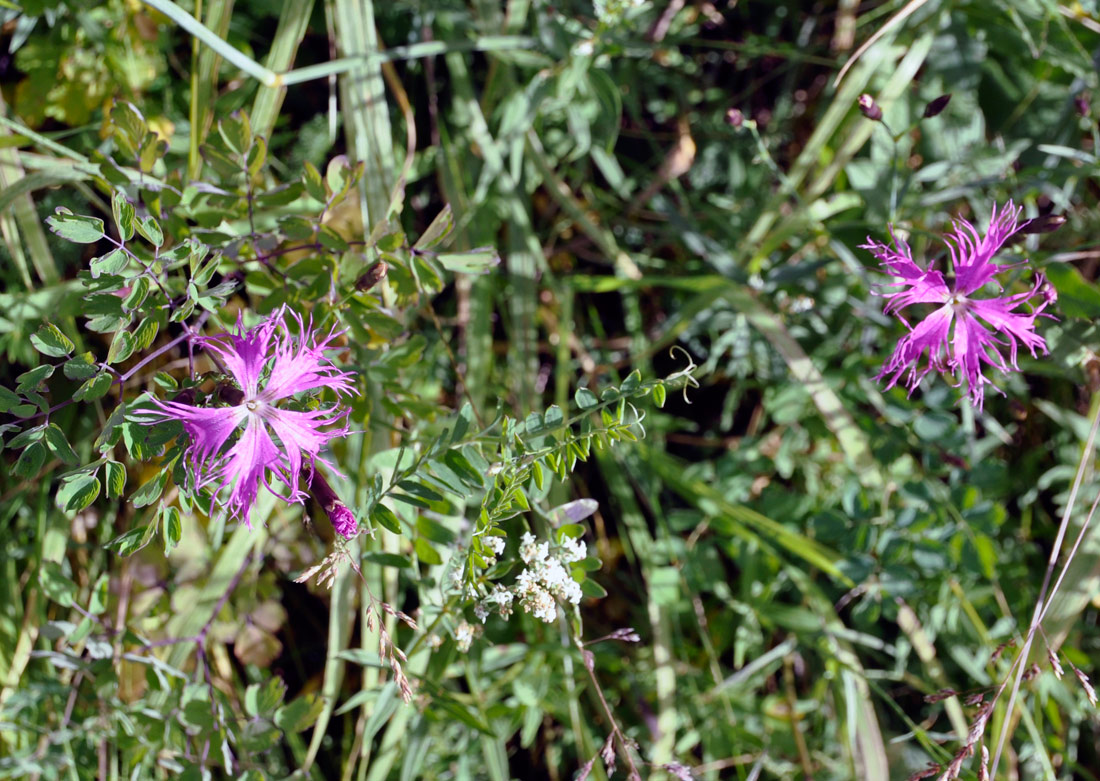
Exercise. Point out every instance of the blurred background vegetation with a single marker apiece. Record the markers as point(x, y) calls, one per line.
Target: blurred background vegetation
point(805, 557)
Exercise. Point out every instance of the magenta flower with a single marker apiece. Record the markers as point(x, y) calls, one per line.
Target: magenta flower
point(269, 365)
point(963, 334)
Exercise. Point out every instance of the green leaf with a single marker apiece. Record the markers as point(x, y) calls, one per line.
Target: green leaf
point(474, 261)
point(130, 542)
point(297, 228)
point(339, 176)
point(586, 399)
point(112, 263)
point(115, 475)
point(56, 584)
point(257, 156)
point(123, 212)
point(29, 381)
point(8, 399)
point(49, 340)
point(434, 530)
point(145, 333)
point(299, 714)
point(81, 367)
point(236, 131)
point(426, 553)
point(1076, 296)
point(30, 435)
point(150, 229)
point(94, 388)
point(659, 395)
point(151, 490)
point(591, 588)
point(138, 291)
point(383, 516)
point(77, 492)
point(315, 185)
point(122, 347)
point(387, 559)
point(75, 228)
point(31, 460)
point(441, 226)
point(632, 382)
point(417, 489)
point(173, 529)
point(111, 429)
point(129, 127)
point(97, 603)
point(55, 438)
point(331, 240)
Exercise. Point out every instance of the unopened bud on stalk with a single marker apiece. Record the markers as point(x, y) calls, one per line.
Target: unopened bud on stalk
point(372, 276)
point(185, 396)
point(230, 395)
point(937, 105)
point(735, 117)
point(343, 521)
point(869, 108)
point(1046, 224)
point(1081, 102)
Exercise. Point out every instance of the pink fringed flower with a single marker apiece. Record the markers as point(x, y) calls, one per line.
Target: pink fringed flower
point(269, 365)
point(963, 334)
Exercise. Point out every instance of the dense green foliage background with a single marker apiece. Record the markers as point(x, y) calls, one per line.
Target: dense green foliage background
point(805, 558)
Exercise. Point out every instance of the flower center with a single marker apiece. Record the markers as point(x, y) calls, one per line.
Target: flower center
point(252, 405)
point(958, 303)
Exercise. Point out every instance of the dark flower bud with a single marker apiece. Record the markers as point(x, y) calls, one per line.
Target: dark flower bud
point(372, 276)
point(869, 108)
point(185, 396)
point(1046, 224)
point(1082, 104)
point(937, 105)
point(230, 395)
point(735, 117)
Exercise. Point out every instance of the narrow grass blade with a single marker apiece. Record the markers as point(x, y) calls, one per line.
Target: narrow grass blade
point(366, 115)
point(15, 191)
point(215, 39)
point(293, 22)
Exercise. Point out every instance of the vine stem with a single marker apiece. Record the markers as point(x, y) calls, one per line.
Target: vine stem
point(589, 660)
point(1041, 603)
point(122, 378)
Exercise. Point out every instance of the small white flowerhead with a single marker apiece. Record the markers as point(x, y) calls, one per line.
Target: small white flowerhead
point(464, 635)
point(573, 549)
point(495, 544)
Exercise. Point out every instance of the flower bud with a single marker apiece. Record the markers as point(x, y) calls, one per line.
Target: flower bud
point(185, 396)
point(1046, 224)
point(230, 395)
point(372, 276)
point(343, 520)
point(869, 108)
point(735, 117)
point(937, 105)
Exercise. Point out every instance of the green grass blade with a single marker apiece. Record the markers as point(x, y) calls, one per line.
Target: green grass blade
point(366, 115)
point(215, 39)
point(293, 22)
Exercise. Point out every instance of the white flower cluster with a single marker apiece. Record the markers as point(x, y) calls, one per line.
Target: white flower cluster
point(499, 598)
point(465, 633)
point(546, 577)
point(544, 581)
point(496, 546)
